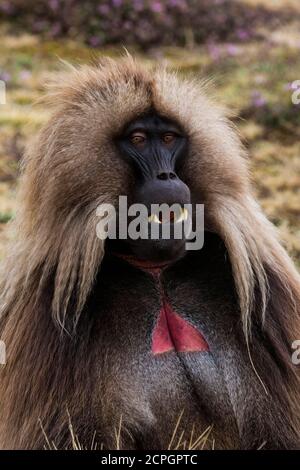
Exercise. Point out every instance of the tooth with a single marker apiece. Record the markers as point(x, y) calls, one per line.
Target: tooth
point(154, 218)
point(183, 215)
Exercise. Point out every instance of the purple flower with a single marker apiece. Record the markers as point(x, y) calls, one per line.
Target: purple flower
point(6, 7)
point(242, 34)
point(258, 101)
point(25, 75)
point(127, 25)
point(177, 3)
point(214, 51)
point(156, 7)
point(54, 4)
point(94, 41)
point(55, 30)
point(138, 5)
point(117, 3)
point(103, 9)
point(5, 76)
point(232, 49)
point(290, 86)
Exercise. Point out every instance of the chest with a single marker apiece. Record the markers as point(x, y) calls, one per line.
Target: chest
point(163, 355)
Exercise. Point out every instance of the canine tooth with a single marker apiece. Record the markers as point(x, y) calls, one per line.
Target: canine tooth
point(183, 215)
point(154, 218)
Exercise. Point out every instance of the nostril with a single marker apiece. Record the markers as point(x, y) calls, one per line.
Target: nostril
point(165, 176)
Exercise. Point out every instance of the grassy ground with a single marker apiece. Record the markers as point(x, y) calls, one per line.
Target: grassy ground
point(252, 78)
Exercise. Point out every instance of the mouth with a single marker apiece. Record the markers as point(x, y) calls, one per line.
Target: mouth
point(170, 217)
point(164, 240)
point(144, 264)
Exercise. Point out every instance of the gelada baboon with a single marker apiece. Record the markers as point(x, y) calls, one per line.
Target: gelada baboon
point(144, 340)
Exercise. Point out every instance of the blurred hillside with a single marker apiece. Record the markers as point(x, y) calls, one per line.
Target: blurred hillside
point(249, 48)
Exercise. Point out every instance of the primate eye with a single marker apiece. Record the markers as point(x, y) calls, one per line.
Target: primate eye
point(137, 138)
point(169, 138)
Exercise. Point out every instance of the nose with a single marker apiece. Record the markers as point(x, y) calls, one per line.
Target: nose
point(166, 187)
point(166, 175)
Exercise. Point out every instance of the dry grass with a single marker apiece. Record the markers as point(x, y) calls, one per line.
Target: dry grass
point(180, 439)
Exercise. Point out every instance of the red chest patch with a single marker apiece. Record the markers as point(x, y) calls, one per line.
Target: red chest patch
point(173, 333)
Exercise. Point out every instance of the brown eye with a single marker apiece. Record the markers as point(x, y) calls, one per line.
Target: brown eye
point(137, 138)
point(169, 138)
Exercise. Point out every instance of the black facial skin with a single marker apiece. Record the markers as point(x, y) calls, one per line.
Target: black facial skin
point(155, 147)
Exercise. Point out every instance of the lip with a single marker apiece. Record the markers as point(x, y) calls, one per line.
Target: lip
point(143, 264)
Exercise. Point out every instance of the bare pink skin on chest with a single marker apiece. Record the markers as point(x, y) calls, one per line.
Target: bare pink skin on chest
point(171, 331)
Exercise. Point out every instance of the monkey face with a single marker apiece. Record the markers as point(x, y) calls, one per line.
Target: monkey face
point(119, 130)
point(154, 147)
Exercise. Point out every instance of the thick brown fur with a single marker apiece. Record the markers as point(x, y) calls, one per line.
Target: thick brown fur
point(71, 167)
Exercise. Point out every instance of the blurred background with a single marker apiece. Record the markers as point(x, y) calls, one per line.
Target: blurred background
point(250, 48)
